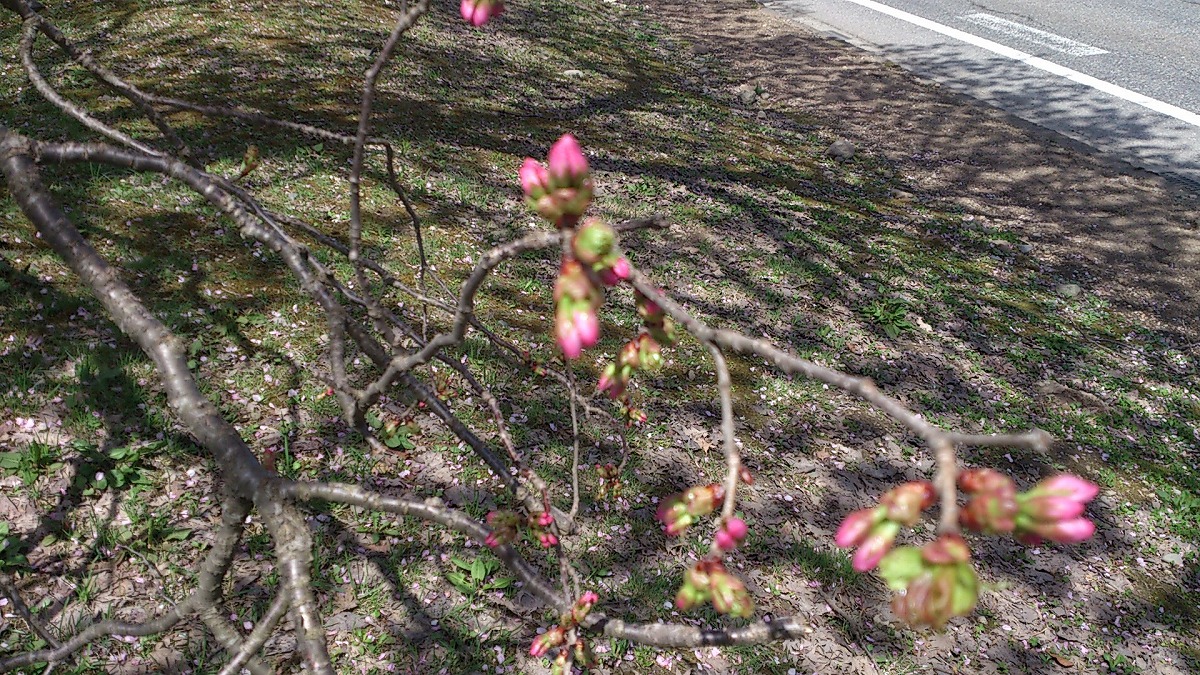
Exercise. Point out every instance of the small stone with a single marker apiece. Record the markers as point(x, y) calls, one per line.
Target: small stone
point(747, 96)
point(1068, 290)
point(572, 74)
point(841, 149)
point(806, 466)
point(1173, 558)
point(1024, 248)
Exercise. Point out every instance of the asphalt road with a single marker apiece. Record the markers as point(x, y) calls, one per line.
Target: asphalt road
point(1120, 75)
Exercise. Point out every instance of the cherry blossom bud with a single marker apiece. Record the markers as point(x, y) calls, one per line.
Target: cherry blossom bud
point(568, 337)
point(479, 12)
point(1053, 508)
point(547, 641)
point(731, 534)
point(587, 326)
point(945, 550)
point(729, 594)
point(621, 269)
point(579, 611)
point(535, 181)
point(567, 165)
point(935, 583)
point(613, 379)
point(680, 511)
point(547, 539)
point(561, 665)
point(584, 656)
point(877, 543)
point(1068, 486)
point(547, 207)
point(904, 503)
point(573, 283)
point(504, 528)
point(690, 596)
point(993, 507)
point(594, 241)
point(649, 353)
point(648, 309)
point(1052, 511)
point(854, 529)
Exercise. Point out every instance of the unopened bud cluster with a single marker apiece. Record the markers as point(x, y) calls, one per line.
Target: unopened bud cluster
point(1051, 511)
point(680, 511)
point(507, 526)
point(557, 637)
point(874, 530)
point(610, 481)
point(708, 580)
point(934, 583)
point(561, 192)
point(937, 582)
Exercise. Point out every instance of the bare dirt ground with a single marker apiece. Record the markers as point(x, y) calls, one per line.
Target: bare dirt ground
point(1127, 236)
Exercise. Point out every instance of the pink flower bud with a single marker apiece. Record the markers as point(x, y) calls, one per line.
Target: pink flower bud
point(491, 541)
point(547, 207)
point(478, 12)
point(622, 269)
point(544, 519)
point(1068, 486)
point(905, 502)
point(587, 325)
point(649, 310)
point(878, 543)
point(1066, 531)
point(594, 241)
point(547, 641)
point(731, 534)
point(535, 181)
point(568, 339)
point(568, 166)
point(548, 539)
point(1053, 508)
point(947, 549)
point(855, 528)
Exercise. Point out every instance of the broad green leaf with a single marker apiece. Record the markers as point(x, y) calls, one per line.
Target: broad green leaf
point(899, 567)
point(966, 589)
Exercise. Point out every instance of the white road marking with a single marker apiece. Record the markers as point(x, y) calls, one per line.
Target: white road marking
point(1030, 34)
point(1039, 63)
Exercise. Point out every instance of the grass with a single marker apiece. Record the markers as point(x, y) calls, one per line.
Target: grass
point(913, 295)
